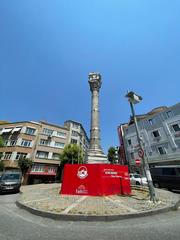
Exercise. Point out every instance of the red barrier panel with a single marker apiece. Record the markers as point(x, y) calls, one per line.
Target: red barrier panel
point(95, 180)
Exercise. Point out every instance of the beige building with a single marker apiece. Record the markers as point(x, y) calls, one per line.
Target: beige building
point(40, 141)
point(77, 134)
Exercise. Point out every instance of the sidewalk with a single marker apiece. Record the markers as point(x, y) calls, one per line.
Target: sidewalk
point(44, 200)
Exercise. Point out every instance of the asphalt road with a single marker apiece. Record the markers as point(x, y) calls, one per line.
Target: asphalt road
point(17, 224)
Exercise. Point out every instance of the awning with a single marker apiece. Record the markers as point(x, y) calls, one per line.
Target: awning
point(16, 129)
point(6, 130)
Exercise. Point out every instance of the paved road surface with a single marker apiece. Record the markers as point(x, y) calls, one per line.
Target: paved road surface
point(17, 224)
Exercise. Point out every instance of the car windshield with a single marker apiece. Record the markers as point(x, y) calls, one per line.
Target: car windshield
point(136, 176)
point(11, 176)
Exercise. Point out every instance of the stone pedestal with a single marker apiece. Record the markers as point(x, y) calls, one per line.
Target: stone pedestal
point(95, 153)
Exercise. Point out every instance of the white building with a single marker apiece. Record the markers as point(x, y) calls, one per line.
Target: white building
point(160, 133)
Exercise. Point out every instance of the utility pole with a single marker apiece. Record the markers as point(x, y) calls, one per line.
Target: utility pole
point(133, 99)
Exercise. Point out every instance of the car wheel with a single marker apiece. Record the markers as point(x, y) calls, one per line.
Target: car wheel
point(156, 185)
point(137, 183)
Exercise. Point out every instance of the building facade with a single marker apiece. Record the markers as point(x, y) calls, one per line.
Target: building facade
point(77, 135)
point(160, 134)
point(41, 142)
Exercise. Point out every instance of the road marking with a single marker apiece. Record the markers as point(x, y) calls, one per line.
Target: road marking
point(11, 213)
point(73, 205)
point(37, 200)
point(118, 202)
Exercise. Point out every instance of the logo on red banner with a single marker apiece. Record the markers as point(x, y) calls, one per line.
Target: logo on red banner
point(82, 172)
point(81, 190)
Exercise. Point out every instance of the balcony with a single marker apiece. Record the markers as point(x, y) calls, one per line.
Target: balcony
point(157, 139)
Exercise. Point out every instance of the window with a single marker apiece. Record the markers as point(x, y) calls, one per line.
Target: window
point(26, 143)
point(151, 121)
point(44, 142)
point(12, 142)
point(47, 131)
point(74, 133)
point(6, 142)
point(21, 155)
point(56, 156)
point(41, 154)
point(73, 141)
point(37, 168)
point(61, 134)
point(169, 114)
point(52, 169)
point(30, 131)
point(132, 155)
point(74, 125)
point(59, 144)
point(161, 150)
point(129, 142)
point(156, 133)
point(176, 127)
point(7, 155)
point(169, 171)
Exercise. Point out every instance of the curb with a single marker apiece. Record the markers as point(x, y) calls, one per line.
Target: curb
point(105, 218)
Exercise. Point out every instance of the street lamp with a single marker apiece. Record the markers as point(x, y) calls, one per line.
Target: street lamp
point(80, 135)
point(133, 98)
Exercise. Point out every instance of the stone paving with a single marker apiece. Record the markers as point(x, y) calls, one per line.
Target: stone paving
point(46, 197)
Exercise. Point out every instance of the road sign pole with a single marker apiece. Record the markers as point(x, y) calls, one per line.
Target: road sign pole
point(145, 165)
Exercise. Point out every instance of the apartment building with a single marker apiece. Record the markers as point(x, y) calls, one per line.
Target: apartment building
point(40, 141)
point(160, 134)
point(77, 134)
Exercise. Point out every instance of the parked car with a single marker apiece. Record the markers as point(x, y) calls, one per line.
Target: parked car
point(0, 175)
point(137, 179)
point(166, 177)
point(10, 181)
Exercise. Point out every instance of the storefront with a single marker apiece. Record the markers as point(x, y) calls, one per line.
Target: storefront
point(41, 173)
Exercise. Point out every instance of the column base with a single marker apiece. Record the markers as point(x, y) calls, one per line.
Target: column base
point(96, 157)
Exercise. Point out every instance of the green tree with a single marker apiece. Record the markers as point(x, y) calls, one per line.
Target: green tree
point(112, 156)
point(72, 153)
point(2, 167)
point(24, 164)
point(1, 142)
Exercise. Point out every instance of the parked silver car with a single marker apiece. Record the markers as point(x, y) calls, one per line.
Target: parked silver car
point(10, 181)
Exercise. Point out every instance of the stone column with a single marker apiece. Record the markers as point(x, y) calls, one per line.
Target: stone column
point(95, 153)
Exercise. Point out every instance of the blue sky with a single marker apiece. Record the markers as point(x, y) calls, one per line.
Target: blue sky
point(48, 47)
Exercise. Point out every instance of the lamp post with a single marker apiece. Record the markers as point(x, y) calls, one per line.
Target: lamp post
point(80, 135)
point(134, 99)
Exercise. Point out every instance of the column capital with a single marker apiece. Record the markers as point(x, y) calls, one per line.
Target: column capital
point(95, 81)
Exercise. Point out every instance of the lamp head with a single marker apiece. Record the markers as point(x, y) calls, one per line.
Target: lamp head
point(133, 97)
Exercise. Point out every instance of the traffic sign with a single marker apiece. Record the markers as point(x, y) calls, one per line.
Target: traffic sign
point(138, 162)
point(140, 152)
